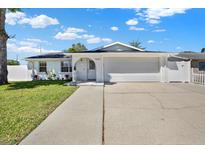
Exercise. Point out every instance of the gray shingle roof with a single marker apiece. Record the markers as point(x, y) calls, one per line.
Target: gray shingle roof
point(194, 56)
point(50, 55)
point(177, 58)
point(124, 51)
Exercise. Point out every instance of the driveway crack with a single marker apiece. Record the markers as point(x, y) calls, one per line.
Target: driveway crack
point(158, 100)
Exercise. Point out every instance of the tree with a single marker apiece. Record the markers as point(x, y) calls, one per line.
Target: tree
point(203, 50)
point(12, 62)
point(76, 48)
point(136, 44)
point(3, 45)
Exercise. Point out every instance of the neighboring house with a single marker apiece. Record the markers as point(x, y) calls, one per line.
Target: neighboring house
point(197, 60)
point(116, 62)
point(52, 65)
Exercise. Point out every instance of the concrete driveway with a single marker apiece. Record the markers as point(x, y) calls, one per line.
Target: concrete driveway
point(127, 113)
point(154, 113)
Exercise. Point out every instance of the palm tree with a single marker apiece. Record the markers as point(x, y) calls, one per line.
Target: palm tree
point(3, 45)
point(136, 44)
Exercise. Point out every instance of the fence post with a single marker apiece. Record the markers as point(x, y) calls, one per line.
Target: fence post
point(198, 77)
point(192, 75)
point(203, 77)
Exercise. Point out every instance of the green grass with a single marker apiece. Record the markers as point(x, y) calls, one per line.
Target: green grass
point(24, 105)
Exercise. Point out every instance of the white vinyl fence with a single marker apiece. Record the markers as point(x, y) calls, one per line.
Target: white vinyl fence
point(198, 77)
point(19, 73)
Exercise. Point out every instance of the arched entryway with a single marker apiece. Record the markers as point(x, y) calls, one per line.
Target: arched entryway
point(85, 70)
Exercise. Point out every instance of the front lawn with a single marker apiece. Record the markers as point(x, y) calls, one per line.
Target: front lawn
point(24, 105)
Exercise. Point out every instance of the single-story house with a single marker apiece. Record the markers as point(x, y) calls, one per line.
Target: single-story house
point(115, 62)
point(197, 60)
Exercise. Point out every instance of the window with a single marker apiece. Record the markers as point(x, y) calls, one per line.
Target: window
point(91, 65)
point(65, 67)
point(201, 66)
point(42, 67)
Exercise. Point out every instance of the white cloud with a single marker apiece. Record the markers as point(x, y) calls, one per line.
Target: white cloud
point(94, 40)
point(153, 15)
point(28, 43)
point(17, 48)
point(12, 40)
point(132, 22)
point(36, 40)
point(178, 48)
point(153, 21)
point(107, 40)
point(114, 28)
point(66, 36)
point(32, 42)
point(86, 36)
point(72, 33)
point(159, 30)
point(75, 30)
point(27, 46)
point(136, 28)
point(137, 9)
point(150, 41)
point(98, 40)
point(163, 12)
point(28, 49)
point(40, 21)
point(12, 18)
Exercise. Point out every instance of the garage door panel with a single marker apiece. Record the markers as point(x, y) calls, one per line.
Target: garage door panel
point(129, 77)
point(131, 69)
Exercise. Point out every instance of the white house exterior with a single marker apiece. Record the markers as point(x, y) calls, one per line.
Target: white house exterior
point(118, 62)
point(43, 66)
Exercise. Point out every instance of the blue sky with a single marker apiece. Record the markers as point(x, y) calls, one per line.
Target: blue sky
point(53, 30)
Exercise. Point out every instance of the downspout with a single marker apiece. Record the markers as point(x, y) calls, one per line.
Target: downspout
point(33, 73)
point(190, 71)
point(166, 69)
point(73, 70)
point(103, 75)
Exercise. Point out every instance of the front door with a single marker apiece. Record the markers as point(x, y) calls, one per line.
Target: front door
point(91, 70)
point(82, 70)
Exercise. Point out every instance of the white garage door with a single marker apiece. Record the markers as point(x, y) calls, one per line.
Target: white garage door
point(131, 69)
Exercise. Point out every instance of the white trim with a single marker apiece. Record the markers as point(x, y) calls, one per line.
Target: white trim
point(175, 56)
point(120, 43)
point(49, 59)
point(119, 54)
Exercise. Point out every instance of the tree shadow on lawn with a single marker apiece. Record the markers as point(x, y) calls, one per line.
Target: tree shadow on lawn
point(34, 84)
